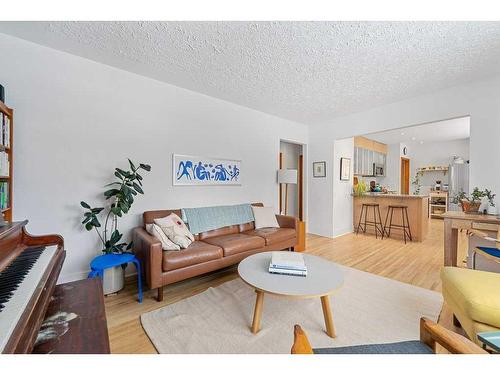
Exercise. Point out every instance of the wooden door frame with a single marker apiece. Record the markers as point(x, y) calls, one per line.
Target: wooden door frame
point(404, 183)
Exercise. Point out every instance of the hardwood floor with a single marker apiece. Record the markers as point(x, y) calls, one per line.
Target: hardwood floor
point(416, 263)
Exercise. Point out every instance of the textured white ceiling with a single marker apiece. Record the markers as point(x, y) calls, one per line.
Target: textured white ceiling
point(440, 131)
point(304, 71)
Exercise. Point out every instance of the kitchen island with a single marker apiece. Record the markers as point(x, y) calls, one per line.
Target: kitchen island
point(418, 212)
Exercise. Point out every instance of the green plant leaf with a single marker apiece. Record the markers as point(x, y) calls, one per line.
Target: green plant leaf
point(84, 205)
point(146, 167)
point(110, 193)
point(89, 226)
point(138, 188)
point(132, 166)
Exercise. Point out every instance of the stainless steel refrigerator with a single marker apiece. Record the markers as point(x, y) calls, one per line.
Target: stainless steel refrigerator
point(459, 181)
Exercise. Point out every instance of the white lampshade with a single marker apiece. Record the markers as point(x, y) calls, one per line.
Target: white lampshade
point(287, 176)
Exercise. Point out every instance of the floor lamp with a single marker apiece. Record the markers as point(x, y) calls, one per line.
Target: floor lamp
point(287, 177)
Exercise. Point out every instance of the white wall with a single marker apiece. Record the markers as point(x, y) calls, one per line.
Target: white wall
point(480, 100)
point(342, 199)
point(76, 120)
point(291, 154)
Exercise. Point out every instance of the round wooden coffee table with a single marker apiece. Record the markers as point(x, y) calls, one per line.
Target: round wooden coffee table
point(323, 278)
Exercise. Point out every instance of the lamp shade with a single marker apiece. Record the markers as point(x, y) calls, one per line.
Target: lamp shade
point(287, 176)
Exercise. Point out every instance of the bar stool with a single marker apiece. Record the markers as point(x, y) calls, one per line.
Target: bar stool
point(406, 222)
point(377, 224)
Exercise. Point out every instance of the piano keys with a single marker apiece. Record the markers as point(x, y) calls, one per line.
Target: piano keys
point(29, 299)
point(18, 283)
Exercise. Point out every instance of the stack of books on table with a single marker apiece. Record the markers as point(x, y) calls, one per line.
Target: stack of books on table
point(288, 263)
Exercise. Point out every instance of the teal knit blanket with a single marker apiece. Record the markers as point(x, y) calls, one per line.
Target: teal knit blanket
point(203, 219)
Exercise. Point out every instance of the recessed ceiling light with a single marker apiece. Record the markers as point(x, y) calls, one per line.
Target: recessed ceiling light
point(413, 138)
point(421, 142)
point(402, 133)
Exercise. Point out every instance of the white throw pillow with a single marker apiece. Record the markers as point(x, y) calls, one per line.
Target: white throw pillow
point(157, 233)
point(175, 229)
point(264, 217)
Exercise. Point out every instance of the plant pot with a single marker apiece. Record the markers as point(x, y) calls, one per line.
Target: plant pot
point(470, 207)
point(492, 210)
point(114, 280)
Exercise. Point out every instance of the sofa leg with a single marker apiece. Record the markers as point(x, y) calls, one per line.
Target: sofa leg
point(159, 298)
point(456, 322)
point(291, 248)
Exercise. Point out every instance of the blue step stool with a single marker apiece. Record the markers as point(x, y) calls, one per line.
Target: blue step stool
point(100, 263)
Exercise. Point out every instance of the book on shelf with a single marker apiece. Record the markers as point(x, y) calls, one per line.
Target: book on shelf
point(4, 164)
point(288, 263)
point(4, 195)
point(4, 130)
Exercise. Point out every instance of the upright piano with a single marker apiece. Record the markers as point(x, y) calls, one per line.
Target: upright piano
point(30, 300)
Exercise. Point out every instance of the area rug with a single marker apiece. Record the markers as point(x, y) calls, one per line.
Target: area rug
point(367, 309)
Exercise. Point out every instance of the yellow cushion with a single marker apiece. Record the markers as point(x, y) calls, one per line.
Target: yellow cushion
point(476, 292)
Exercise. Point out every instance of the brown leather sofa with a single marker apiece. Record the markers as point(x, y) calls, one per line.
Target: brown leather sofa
point(210, 251)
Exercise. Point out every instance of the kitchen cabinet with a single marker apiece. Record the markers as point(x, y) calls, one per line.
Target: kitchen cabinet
point(364, 160)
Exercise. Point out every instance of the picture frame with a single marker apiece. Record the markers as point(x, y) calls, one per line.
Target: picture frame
point(345, 169)
point(319, 169)
point(189, 170)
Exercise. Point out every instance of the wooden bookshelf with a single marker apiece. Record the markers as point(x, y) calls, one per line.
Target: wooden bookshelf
point(7, 212)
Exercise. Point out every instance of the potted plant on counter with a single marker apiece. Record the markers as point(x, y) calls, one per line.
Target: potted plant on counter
point(120, 194)
point(471, 204)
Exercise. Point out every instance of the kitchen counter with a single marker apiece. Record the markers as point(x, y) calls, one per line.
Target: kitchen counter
point(418, 212)
point(389, 195)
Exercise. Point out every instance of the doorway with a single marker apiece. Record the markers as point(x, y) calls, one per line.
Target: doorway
point(405, 176)
point(291, 194)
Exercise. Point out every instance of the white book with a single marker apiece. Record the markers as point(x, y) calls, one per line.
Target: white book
point(290, 272)
point(288, 260)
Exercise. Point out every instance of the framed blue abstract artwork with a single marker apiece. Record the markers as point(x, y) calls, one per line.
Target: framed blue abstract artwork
point(198, 170)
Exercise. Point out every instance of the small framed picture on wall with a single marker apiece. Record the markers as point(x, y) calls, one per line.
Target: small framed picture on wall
point(345, 169)
point(319, 169)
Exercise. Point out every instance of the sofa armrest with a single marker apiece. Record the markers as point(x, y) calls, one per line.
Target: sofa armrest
point(149, 251)
point(287, 221)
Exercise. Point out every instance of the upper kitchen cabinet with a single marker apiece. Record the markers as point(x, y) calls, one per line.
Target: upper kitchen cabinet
point(367, 155)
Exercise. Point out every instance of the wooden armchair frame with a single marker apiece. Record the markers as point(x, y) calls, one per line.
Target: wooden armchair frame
point(484, 236)
point(430, 334)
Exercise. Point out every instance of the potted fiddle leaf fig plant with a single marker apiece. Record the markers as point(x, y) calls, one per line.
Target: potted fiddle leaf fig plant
point(120, 195)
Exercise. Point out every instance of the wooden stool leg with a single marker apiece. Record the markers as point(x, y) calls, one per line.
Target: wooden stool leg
point(375, 221)
point(257, 314)
point(404, 226)
point(360, 219)
point(327, 314)
point(390, 221)
point(380, 221)
point(385, 222)
point(408, 222)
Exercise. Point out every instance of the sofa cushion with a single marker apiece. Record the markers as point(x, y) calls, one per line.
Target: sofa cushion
point(264, 217)
point(158, 233)
point(273, 235)
point(236, 243)
point(175, 229)
point(475, 291)
point(198, 252)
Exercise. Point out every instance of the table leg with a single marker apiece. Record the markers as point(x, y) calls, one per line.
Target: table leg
point(450, 244)
point(327, 313)
point(259, 302)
